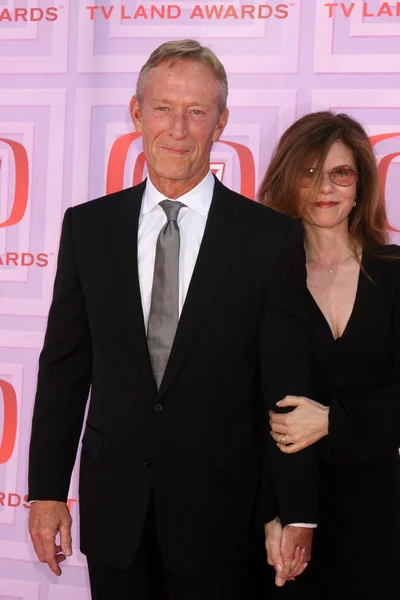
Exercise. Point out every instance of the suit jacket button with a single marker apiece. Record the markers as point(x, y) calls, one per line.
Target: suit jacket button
point(147, 462)
point(158, 407)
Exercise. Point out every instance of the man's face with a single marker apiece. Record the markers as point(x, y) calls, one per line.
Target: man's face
point(179, 120)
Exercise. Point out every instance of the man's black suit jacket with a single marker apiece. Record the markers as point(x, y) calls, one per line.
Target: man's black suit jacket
point(201, 443)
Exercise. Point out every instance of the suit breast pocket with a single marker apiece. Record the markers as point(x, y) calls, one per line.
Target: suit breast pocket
point(92, 443)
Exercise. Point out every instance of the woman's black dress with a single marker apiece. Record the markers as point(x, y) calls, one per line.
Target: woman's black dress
point(356, 550)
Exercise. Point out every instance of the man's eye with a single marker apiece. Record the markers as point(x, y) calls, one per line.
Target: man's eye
point(197, 112)
point(162, 108)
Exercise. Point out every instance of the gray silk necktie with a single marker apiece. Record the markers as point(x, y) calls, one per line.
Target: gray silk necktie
point(164, 307)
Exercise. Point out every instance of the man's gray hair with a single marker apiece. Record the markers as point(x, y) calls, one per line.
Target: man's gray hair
point(185, 50)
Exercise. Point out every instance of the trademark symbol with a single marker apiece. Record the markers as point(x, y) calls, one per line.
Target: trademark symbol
point(292, 4)
point(61, 6)
point(51, 253)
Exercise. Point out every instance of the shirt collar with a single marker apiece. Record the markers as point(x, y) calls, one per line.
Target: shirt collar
point(198, 199)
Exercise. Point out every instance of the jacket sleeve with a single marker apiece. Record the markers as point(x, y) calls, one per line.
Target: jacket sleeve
point(286, 370)
point(64, 379)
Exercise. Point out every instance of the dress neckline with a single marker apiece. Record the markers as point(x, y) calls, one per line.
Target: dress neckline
point(353, 311)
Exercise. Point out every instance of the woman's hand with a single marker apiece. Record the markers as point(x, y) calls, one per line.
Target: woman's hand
point(273, 544)
point(273, 538)
point(305, 425)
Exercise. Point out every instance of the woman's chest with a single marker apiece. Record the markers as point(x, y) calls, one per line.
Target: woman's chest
point(361, 353)
point(335, 293)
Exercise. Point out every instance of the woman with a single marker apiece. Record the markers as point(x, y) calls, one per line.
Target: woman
point(324, 173)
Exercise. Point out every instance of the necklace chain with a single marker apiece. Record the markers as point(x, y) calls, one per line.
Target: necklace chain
point(331, 270)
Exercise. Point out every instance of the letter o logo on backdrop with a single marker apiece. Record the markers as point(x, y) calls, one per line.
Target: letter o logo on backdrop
point(384, 164)
point(20, 200)
point(8, 438)
point(120, 149)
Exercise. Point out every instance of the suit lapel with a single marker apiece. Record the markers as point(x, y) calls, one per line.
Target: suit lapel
point(124, 221)
point(226, 225)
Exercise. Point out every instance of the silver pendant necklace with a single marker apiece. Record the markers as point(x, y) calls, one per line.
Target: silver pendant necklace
point(331, 270)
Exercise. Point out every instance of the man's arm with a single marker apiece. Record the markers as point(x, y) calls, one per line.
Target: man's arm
point(285, 365)
point(64, 379)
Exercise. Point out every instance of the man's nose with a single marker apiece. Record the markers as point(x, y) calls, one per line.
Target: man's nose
point(178, 126)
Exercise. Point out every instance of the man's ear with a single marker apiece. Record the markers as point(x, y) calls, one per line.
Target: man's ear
point(220, 126)
point(136, 116)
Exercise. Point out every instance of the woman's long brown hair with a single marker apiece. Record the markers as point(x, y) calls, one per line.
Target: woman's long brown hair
point(306, 143)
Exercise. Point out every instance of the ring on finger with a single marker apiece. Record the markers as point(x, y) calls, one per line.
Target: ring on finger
point(283, 439)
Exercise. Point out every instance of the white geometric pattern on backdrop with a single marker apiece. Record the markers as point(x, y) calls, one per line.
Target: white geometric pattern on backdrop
point(64, 91)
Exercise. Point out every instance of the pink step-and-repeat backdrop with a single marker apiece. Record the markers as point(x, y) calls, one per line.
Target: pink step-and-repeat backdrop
point(68, 69)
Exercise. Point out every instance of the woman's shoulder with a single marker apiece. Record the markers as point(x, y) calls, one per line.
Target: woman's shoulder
point(385, 254)
point(383, 262)
point(390, 250)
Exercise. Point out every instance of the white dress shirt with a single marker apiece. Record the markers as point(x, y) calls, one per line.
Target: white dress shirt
point(192, 220)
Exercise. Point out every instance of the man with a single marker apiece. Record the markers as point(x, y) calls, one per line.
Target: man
point(183, 306)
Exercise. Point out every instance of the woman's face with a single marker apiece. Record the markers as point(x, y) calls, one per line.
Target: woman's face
point(334, 201)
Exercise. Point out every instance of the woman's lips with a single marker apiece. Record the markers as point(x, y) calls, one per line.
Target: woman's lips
point(323, 204)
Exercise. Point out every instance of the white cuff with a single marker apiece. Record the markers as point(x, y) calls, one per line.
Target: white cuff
point(307, 525)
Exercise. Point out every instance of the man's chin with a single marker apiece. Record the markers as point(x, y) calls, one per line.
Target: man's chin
point(173, 174)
